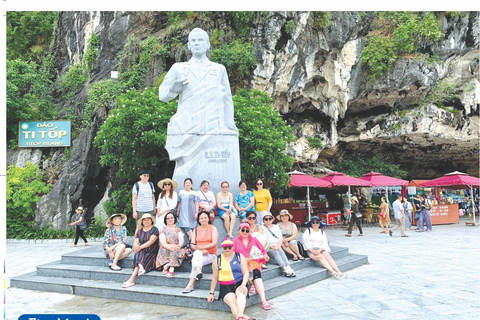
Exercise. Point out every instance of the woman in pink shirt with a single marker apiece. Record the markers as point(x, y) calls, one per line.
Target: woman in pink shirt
point(255, 254)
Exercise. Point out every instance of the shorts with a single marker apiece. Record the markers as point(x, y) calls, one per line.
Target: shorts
point(222, 212)
point(311, 254)
point(227, 288)
point(255, 274)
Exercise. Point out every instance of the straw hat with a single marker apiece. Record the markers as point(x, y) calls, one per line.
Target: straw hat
point(267, 214)
point(282, 213)
point(354, 198)
point(109, 220)
point(161, 182)
point(145, 216)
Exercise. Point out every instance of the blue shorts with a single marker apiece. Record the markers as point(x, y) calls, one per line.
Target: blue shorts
point(222, 212)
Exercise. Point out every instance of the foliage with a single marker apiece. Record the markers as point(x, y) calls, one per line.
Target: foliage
point(102, 94)
point(290, 27)
point(315, 143)
point(121, 201)
point(357, 164)
point(134, 135)
point(238, 59)
point(72, 80)
point(397, 32)
point(28, 96)
point(25, 187)
point(263, 139)
point(322, 19)
point(137, 57)
point(29, 34)
point(443, 92)
point(242, 21)
point(91, 53)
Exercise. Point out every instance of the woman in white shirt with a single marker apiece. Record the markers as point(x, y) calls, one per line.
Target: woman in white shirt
point(167, 200)
point(275, 239)
point(205, 200)
point(316, 243)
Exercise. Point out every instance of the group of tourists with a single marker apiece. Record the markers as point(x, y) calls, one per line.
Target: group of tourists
point(181, 224)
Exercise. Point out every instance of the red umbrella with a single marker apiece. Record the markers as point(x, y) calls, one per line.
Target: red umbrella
point(302, 180)
point(379, 180)
point(457, 180)
point(338, 179)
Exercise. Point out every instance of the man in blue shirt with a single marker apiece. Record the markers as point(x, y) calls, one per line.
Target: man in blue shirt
point(399, 216)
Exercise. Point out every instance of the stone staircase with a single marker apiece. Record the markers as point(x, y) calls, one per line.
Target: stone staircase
point(85, 272)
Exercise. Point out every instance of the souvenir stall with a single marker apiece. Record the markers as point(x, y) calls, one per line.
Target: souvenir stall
point(449, 213)
point(302, 210)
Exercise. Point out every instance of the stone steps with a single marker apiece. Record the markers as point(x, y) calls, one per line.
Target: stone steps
point(97, 281)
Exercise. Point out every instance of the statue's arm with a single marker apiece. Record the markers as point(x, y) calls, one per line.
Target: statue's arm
point(165, 92)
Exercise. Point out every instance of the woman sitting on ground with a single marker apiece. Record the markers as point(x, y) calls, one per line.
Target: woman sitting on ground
point(205, 239)
point(170, 254)
point(114, 240)
point(289, 233)
point(274, 236)
point(316, 243)
point(255, 255)
point(231, 271)
point(226, 209)
point(145, 247)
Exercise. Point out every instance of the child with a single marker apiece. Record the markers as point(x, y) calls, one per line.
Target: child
point(81, 224)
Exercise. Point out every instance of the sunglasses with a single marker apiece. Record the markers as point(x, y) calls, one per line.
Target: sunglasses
point(252, 218)
point(315, 222)
point(167, 184)
point(267, 219)
point(146, 175)
point(227, 248)
point(259, 184)
point(245, 230)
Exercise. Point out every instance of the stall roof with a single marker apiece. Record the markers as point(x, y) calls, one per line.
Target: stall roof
point(338, 179)
point(377, 179)
point(455, 179)
point(416, 183)
point(303, 180)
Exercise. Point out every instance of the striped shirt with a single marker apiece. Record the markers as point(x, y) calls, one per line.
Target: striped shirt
point(144, 197)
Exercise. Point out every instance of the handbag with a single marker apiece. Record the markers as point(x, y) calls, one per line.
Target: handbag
point(301, 250)
point(358, 215)
point(382, 214)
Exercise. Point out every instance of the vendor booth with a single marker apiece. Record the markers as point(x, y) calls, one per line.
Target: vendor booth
point(444, 213)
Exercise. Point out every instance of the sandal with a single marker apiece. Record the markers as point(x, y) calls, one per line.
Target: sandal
point(141, 272)
point(348, 235)
point(252, 290)
point(128, 284)
point(165, 270)
point(301, 258)
point(337, 275)
point(170, 272)
point(116, 268)
point(266, 305)
point(264, 266)
point(295, 258)
point(188, 289)
point(199, 276)
point(344, 276)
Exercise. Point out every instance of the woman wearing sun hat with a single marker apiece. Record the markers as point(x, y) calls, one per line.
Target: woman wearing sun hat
point(255, 255)
point(289, 233)
point(316, 243)
point(114, 240)
point(145, 247)
point(167, 201)
point(231, 271)
point(80, 225)
point(353, 217)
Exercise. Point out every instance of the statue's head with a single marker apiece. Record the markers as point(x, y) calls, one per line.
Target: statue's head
point(198, 42)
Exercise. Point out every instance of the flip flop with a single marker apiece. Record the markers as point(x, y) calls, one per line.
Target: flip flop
point(266, 305)
point(141, 272)
point(116, 268)
point(128, 284)
point(295, 258)
point(301, 258)
point(188, 289)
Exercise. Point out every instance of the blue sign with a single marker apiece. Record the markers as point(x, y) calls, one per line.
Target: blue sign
point(43, 134)
point(59, 317)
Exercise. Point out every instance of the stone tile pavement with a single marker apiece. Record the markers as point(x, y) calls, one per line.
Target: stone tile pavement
point(425, 276)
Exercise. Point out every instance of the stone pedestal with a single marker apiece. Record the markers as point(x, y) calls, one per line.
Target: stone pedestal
point(215, 158)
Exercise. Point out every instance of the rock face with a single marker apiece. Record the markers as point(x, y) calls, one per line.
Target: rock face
point(316, 78)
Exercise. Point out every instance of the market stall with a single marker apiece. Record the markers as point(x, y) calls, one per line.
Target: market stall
point(302, 210)
point(454, 180)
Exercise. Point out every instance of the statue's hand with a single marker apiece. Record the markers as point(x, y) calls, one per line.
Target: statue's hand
point(179, 85)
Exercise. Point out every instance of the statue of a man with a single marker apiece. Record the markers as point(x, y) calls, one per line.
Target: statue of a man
point(204, 114)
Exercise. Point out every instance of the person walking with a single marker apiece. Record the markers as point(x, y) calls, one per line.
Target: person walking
point(80, 225)
point(400, 217)
point(426, 205)
point(384, 216)
point(417, 202)
point(407, 209)
point(355, 217)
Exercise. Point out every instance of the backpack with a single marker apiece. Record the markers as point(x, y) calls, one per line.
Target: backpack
point(219, 260)
point(137, 186)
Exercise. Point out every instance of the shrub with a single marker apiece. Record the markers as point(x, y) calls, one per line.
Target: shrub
point(72, 80)
point(358, 164)
point(25, 187)
point(91, 53)
point(315, 143)
point(102, 94)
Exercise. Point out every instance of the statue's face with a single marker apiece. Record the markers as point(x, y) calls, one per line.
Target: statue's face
point(198, 44)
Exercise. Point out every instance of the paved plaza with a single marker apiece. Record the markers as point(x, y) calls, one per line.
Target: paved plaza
point(425, 276)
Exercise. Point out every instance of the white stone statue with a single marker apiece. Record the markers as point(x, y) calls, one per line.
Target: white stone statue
point(201, 137)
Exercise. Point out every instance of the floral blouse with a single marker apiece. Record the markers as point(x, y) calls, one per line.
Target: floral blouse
point(112, 236)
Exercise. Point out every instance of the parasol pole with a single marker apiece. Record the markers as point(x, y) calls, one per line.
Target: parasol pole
point(348, 199)
point(473, 203)
point(309, 205)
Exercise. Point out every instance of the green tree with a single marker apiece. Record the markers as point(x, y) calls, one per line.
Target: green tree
point(29, 34)
point(28, 96)
point(25, 187)
point(358, 164)
point(264, 136)
point(134, 134)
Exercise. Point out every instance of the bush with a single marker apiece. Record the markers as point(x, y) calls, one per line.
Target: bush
point(263, 139)
point(315, 143)
point(25, 187)
point(358, 164)
point(102, 94)
point(121, 201)
point(91, 53)
point(443, 92)
point(72, 80)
